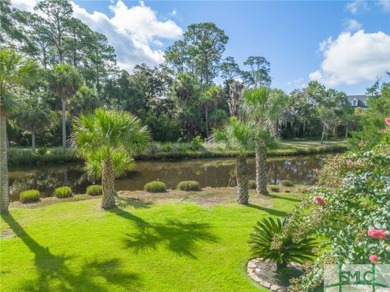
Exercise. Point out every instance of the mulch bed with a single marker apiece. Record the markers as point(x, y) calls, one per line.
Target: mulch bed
point(264, 273)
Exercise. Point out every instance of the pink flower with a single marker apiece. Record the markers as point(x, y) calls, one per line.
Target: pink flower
point(349, 163)
point(387, 121)
point(320, 201)
point(374, 258)
point(377, 233)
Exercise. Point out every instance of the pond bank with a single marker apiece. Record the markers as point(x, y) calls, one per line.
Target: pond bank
point(175, 151)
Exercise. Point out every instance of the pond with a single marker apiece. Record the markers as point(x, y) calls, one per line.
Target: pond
point(208, 172)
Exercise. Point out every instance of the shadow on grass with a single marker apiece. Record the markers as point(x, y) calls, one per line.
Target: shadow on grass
point(283, 198)
point(179, 237)
point(54, 275)
point(134, 202)
point(268, 210)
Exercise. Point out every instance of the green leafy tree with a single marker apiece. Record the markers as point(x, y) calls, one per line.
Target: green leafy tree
point(371, 119)
point(199, 52)
point(56, 23)
point(64, 82)
point(34, 116)
point(107, 140)
point(15, 72)
point(259, 72)
point(263, 107)
point(238, 136)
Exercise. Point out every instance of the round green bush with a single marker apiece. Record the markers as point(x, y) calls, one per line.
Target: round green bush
point(287, 183)
point(63, 192)
point(155, 187)
point(252, 184)
point(189, 185)
point(275, 189)
point(29, 196)
point(94, 190)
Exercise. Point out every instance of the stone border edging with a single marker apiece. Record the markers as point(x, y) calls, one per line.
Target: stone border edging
point(250, 269)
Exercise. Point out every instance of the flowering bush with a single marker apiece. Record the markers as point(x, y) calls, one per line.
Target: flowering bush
point(353, 217)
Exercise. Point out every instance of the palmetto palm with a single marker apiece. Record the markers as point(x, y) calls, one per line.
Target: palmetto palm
point(34, 116)
point(261, 242)
point(263, 107)
point(107, 140)
point(237, 136)
point(64, 81)
point(15, 72)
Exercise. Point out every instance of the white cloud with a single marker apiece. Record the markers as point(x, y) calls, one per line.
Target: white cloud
point(356, 5)
point(385, 4)
point(27, 5)
point(352, 25)
point(174, 12)
point(353, 58)
point(132, 31)
point(297, 83)
point(136, 32)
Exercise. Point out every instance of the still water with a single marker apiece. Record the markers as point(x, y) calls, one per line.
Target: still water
point(208, 172)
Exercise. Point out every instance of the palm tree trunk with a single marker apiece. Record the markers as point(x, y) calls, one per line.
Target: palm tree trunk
point(63, 102)
point(4, 200)
point(323, 134)
point(242, 180)
point(346, 131)
point(33, 139)
point(261, 168)
point(108, 187)
point(207, 123)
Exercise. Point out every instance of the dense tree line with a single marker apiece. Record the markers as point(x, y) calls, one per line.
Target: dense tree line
point(178, 100)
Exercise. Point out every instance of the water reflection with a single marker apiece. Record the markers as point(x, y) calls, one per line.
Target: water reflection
point(209, 172)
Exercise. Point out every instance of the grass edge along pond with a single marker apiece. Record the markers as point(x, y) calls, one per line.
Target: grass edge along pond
point(172, 151)
point(142, 245)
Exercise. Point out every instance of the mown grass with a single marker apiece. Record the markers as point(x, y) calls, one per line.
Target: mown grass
point(169, 245)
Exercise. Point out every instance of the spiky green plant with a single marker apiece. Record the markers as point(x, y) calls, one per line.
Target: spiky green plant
point(262, 245)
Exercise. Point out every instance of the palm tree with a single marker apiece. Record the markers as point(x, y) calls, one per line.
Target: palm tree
point(107, 140)
point(207, 99)
point(15, 72)
point(238, 136)
point(64, 81)
point(263, 107)
point(34, 117)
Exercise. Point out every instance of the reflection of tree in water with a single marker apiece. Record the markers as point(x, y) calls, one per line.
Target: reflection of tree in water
point(47, 180)
point(299, 171)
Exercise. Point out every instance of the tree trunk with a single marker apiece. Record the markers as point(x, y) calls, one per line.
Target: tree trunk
point(207, 123)
point(33, 139)
point(4, 199)
point(63, 102)
point(242, 180)
point(261, 168)
point(108, 187)
point(323, 134)
point(346, 131)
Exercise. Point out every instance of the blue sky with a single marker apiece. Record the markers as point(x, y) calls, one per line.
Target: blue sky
point(343, 44)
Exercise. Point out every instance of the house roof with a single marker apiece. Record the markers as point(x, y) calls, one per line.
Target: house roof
point(361, 100)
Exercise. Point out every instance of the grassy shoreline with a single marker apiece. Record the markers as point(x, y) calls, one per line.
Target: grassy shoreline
point(177, 151)
point(162, 242)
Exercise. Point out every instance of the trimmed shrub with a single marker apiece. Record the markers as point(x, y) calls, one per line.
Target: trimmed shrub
point(287, 191)
point(287, 183)
point(275, 189)
point(155, 187)
point(63, 192)
point(29, 196)
point(252, 184)
point(189, 185)
point(94, 190)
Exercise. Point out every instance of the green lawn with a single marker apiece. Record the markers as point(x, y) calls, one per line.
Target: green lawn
point(159, 245)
